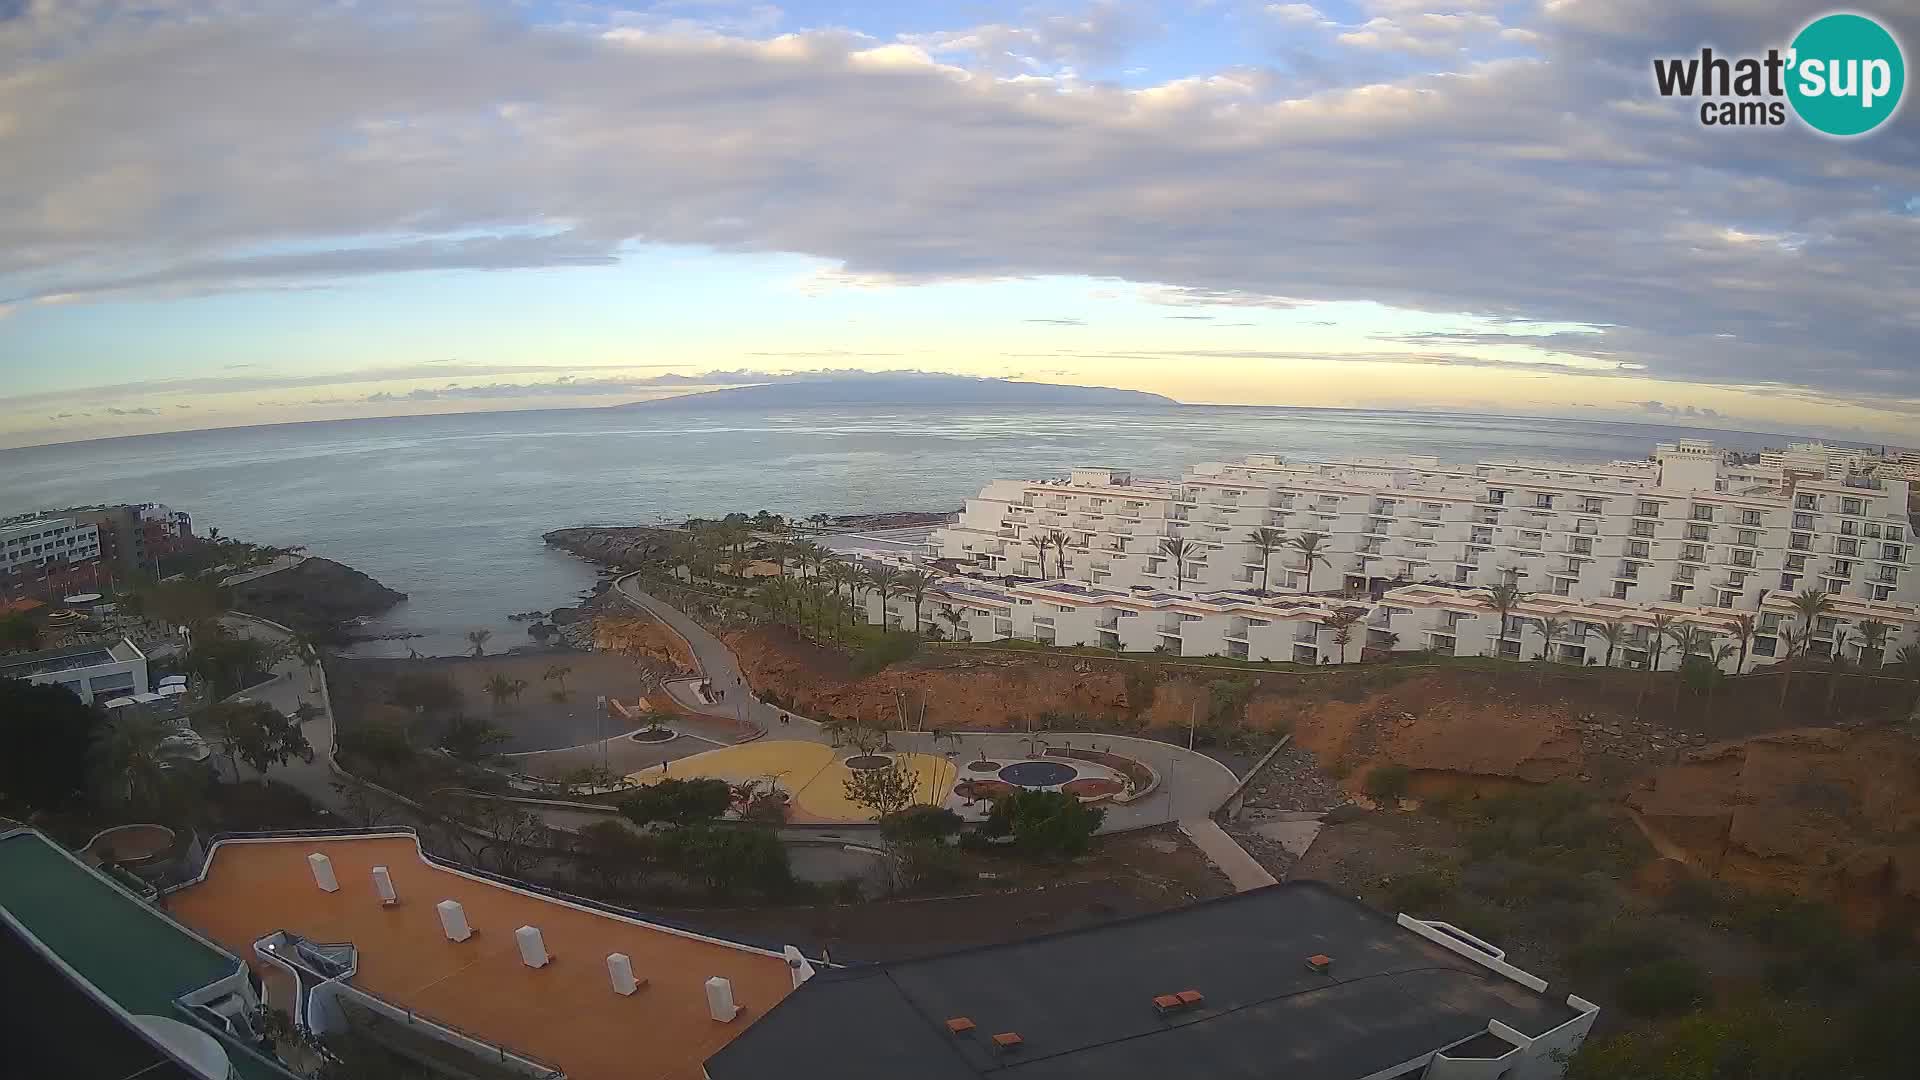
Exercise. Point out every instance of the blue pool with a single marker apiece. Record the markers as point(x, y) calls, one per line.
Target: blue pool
point(1038, 774)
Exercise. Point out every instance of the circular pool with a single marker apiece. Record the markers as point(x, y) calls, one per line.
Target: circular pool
point(1038, 774)
point(868, 762)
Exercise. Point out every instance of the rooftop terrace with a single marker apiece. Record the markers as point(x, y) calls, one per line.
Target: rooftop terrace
point(564, 1013)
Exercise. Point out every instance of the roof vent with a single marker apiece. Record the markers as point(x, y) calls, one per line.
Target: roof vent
point(1166, 1003)
point(1190, 997)
point(959, 1025)
point(1320, 963)
point(1008, 1041)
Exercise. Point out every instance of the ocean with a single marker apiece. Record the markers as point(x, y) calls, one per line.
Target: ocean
point(450, 509)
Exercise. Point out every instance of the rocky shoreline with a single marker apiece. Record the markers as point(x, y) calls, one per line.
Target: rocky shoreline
point(317, 597)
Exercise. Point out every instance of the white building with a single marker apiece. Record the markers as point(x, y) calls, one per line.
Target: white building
point(1410, 548)
point(41, 541)
point(91, 671)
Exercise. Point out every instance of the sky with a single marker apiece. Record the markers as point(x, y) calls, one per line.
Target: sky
point(224, 212)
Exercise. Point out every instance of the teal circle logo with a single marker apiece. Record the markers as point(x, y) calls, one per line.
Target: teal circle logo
point(1845, 75)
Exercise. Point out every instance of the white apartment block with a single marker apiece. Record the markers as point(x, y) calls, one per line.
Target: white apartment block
point(1412, 545)
point(42, 541)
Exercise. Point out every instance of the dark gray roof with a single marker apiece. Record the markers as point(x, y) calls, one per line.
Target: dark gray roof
point(1082, 1002)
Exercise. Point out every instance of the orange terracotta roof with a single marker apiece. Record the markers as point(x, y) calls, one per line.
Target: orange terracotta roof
point(564, 1013)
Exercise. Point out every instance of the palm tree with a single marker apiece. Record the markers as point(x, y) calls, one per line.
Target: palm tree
point(884, 580)
point(1179, 550)
point(1873, 643)
point(1614, 633)
point(557, 673)
point(1268, 540)
point(1308, 545)
point(1744, 627)
point(957, 619)
point(130, 758)
point(1713, 677)
point(499, 688)
point(1836, 664)
point(1550, 629)
point(859, 581)
point(915, 583)
point(1060, 541)
point(1689, 639)
point(478, 639)
point(837, 574)
point(1809, 605)
point(1342, 622)
point(1040, 544)
point(1504, 597)
point(1655, 646)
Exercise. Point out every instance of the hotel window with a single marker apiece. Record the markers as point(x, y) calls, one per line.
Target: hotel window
point(1693, 553)
point(1749, 517)
point(1591, 505)
point(1887, 573)
point(1646, 508)
point(1893, 532)
point(1543, 502)
point(1842, 568)
point(1677, 594)
point(1788, 581)
point(1638, 549)
point(1643, 528)
point(1825, 624)
point(1747, 538)
point(1684, 573)
point(1581, 545)
point(1806, 502)
point(1851, 506)
point(1883, 592)
point(1460, 574)
point(1697, 532)
point(1619, 590)
point(1703, 513)
point(1801, 542)
point(1849, 528)
point(1726, 599)
point(1846, 547)
point(1743, 558)
point(1803, 521)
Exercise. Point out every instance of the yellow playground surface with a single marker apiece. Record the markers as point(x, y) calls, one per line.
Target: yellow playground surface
point(811, 772)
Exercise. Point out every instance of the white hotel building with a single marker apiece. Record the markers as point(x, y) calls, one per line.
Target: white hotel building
point(1414, 543)
point(33, 542)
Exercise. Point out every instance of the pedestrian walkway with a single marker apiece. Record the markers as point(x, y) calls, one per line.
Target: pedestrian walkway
point(1221, 850)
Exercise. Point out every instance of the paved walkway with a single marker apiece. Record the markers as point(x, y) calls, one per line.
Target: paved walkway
point(716, 663)
point(294, 683)
point(1221, 851)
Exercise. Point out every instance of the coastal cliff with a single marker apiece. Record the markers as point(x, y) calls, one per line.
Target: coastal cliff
point(621, 547)
point(315, 597)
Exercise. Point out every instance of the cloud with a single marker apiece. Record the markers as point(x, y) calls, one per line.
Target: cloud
point(1689, 412)
point(1060, 322)
point(132, 412)
point(1551, 186)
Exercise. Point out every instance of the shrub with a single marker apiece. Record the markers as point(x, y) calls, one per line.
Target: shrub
point(1665, 987)
point(929, 864)
point(1421, 891)
point(1615, 948)
point(1387, 781)
point(678, 802)
point(1045, 824)
point(728, 859)
point(889, 648)
point(920, 823)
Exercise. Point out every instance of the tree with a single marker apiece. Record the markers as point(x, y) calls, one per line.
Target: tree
point(1614, 633)
point(1873, 643)
point(557, 673)
point(1720, 656)
point(1045, 824)
point(471, 740)
point(838, 574)
point(478, 639)
point(258, 734)
point(1060, 541)
point(884, 579)
point(958, 619)
point(1809, 605)
point(1690, 640)
point(859, 582)
point(1266, 541)
point(1504, 597)
point(226, 660)
point(1744, 628)
point(133, 768)
point(18, 632)
point(1342, 622)
point(502, 689)
point(1550, 629)
point(46, 733)
point(1179, 550)
point(615, 853)
point(885, 791)
point(728, 858)
point(1308, 544)
point(678, 802)
point(915, 583)
point(1657, 644)
point(1040, 544)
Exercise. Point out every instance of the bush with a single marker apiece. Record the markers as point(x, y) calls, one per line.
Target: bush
point(920, 823)
point(1616, 948)
point(1664, 988)
point(1045, 824)
point(926, 865)
point(1387, 781)
point(1421, 891)
point(678, 802)
point(889, 648)
point(729, 859)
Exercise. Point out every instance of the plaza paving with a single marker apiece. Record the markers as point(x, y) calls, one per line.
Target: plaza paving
point(814, 774)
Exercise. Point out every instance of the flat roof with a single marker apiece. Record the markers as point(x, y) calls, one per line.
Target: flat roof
point(125, 948)
point(565, 1014)
point(1082, 1001)
point(50, 661)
